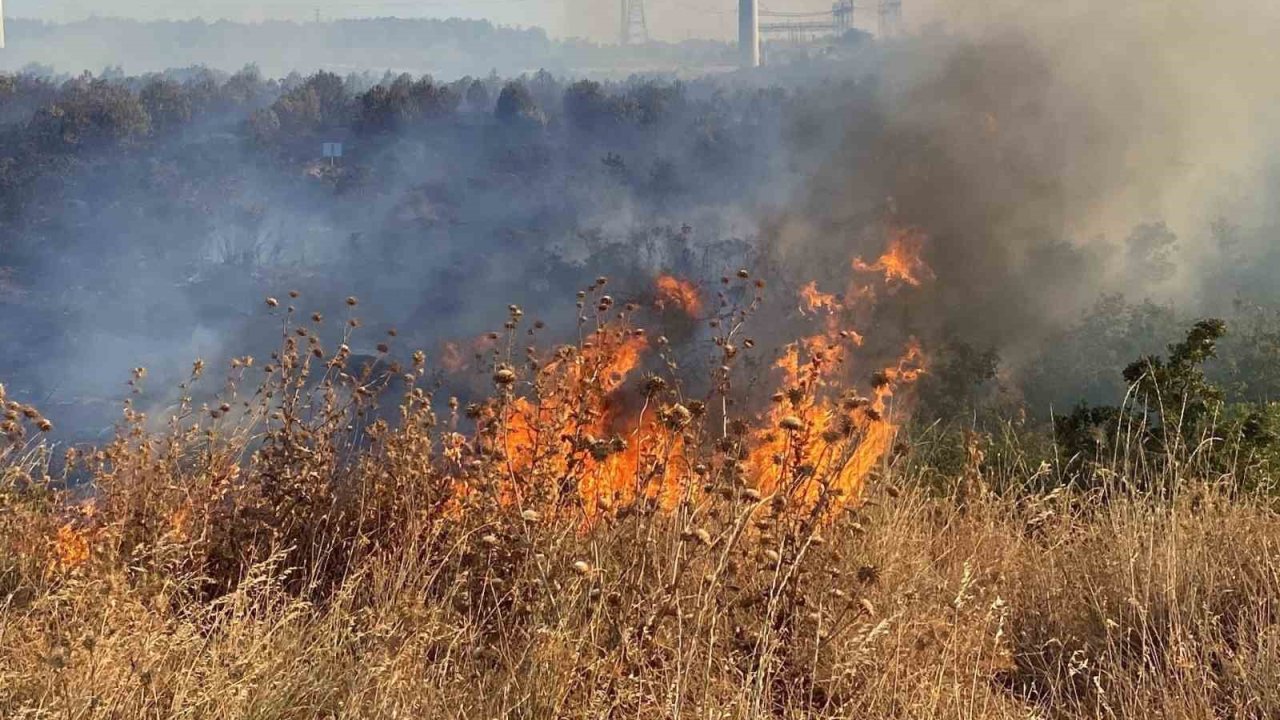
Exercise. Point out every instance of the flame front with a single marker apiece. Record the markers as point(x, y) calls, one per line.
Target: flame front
point(672, 292)
point(574, 436)
point(814, 300)
point(814, 445)
point(903, 261)
point(70, 546)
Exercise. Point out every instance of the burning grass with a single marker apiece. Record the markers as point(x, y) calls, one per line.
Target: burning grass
point(598, 534)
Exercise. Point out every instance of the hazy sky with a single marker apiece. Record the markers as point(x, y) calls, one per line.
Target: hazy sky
point(507, 11)
point(668, 19)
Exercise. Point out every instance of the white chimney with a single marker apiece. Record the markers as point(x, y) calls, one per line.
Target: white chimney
point(1, 23)
point(749, 32)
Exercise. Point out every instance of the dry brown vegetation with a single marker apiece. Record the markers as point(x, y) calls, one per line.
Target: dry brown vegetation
point(584, 544)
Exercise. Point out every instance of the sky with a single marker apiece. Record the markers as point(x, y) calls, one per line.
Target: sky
point(598, 19)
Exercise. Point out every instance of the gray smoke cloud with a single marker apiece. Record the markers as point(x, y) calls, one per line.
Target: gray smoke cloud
point(1051, 154)
point(1054, 153)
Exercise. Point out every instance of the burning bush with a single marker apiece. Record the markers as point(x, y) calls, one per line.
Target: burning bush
point(601, 530)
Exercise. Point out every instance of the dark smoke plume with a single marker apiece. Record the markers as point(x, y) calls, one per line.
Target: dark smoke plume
point(1054, 154)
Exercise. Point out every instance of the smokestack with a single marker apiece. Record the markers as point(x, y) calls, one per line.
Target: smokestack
point(1, 23)
point(749, 32)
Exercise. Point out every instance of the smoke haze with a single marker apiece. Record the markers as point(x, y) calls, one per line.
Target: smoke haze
point(1053, 155)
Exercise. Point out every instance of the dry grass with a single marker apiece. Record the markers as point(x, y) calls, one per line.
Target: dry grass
point(296, 553)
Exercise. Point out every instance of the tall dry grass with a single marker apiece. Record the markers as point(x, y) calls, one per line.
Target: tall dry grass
point(307, 549)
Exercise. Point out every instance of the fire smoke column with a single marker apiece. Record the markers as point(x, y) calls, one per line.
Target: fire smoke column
point(749, 32)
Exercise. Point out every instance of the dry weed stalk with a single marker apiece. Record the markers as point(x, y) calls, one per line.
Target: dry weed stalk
point(589, 540)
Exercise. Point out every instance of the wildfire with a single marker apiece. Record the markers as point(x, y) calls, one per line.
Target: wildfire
point(573, 428)
point(575, 436)
point(903, 261)
point(815, 443)
point(617, 362)
point(677, 293)
point(573, 433)
point(70, 547)
point(180, 522)
point(814, 300)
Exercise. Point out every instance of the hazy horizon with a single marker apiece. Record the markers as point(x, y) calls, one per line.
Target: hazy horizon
point(669, 20)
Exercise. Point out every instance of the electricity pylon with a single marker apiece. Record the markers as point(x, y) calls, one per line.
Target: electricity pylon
point(635, 29)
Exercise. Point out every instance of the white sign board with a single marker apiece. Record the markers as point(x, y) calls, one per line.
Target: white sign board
point(331, 150)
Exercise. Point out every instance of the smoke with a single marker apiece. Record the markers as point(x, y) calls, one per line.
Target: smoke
point(129, 242)
point(1052, 156)
point(1054, 153)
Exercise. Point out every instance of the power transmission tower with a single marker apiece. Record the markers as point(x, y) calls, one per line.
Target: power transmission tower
point(635, 29)
point(842, 16)
point(890, 18)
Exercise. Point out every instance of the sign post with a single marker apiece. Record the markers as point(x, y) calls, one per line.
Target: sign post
point(332, 151)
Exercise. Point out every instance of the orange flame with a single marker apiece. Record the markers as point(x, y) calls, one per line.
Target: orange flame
point(571, 441)
point(903, 261)
point(813, 445)
point(70, 547)
point(180, 522)
point(814, 300)
point(677, 293)
point(568, 432)
point(618, 361)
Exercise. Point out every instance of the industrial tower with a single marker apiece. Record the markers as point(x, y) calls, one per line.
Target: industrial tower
point(749, 32)
point(635, 29)
point(842, 16)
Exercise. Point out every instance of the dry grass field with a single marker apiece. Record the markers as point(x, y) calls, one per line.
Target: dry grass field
point(593, 539)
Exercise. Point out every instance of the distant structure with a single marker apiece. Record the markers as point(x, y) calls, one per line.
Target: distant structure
point(749, 32)
point(842, 16)
point(1, 23)
point(332, 151)
point(635, 29)
point(799, 26)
